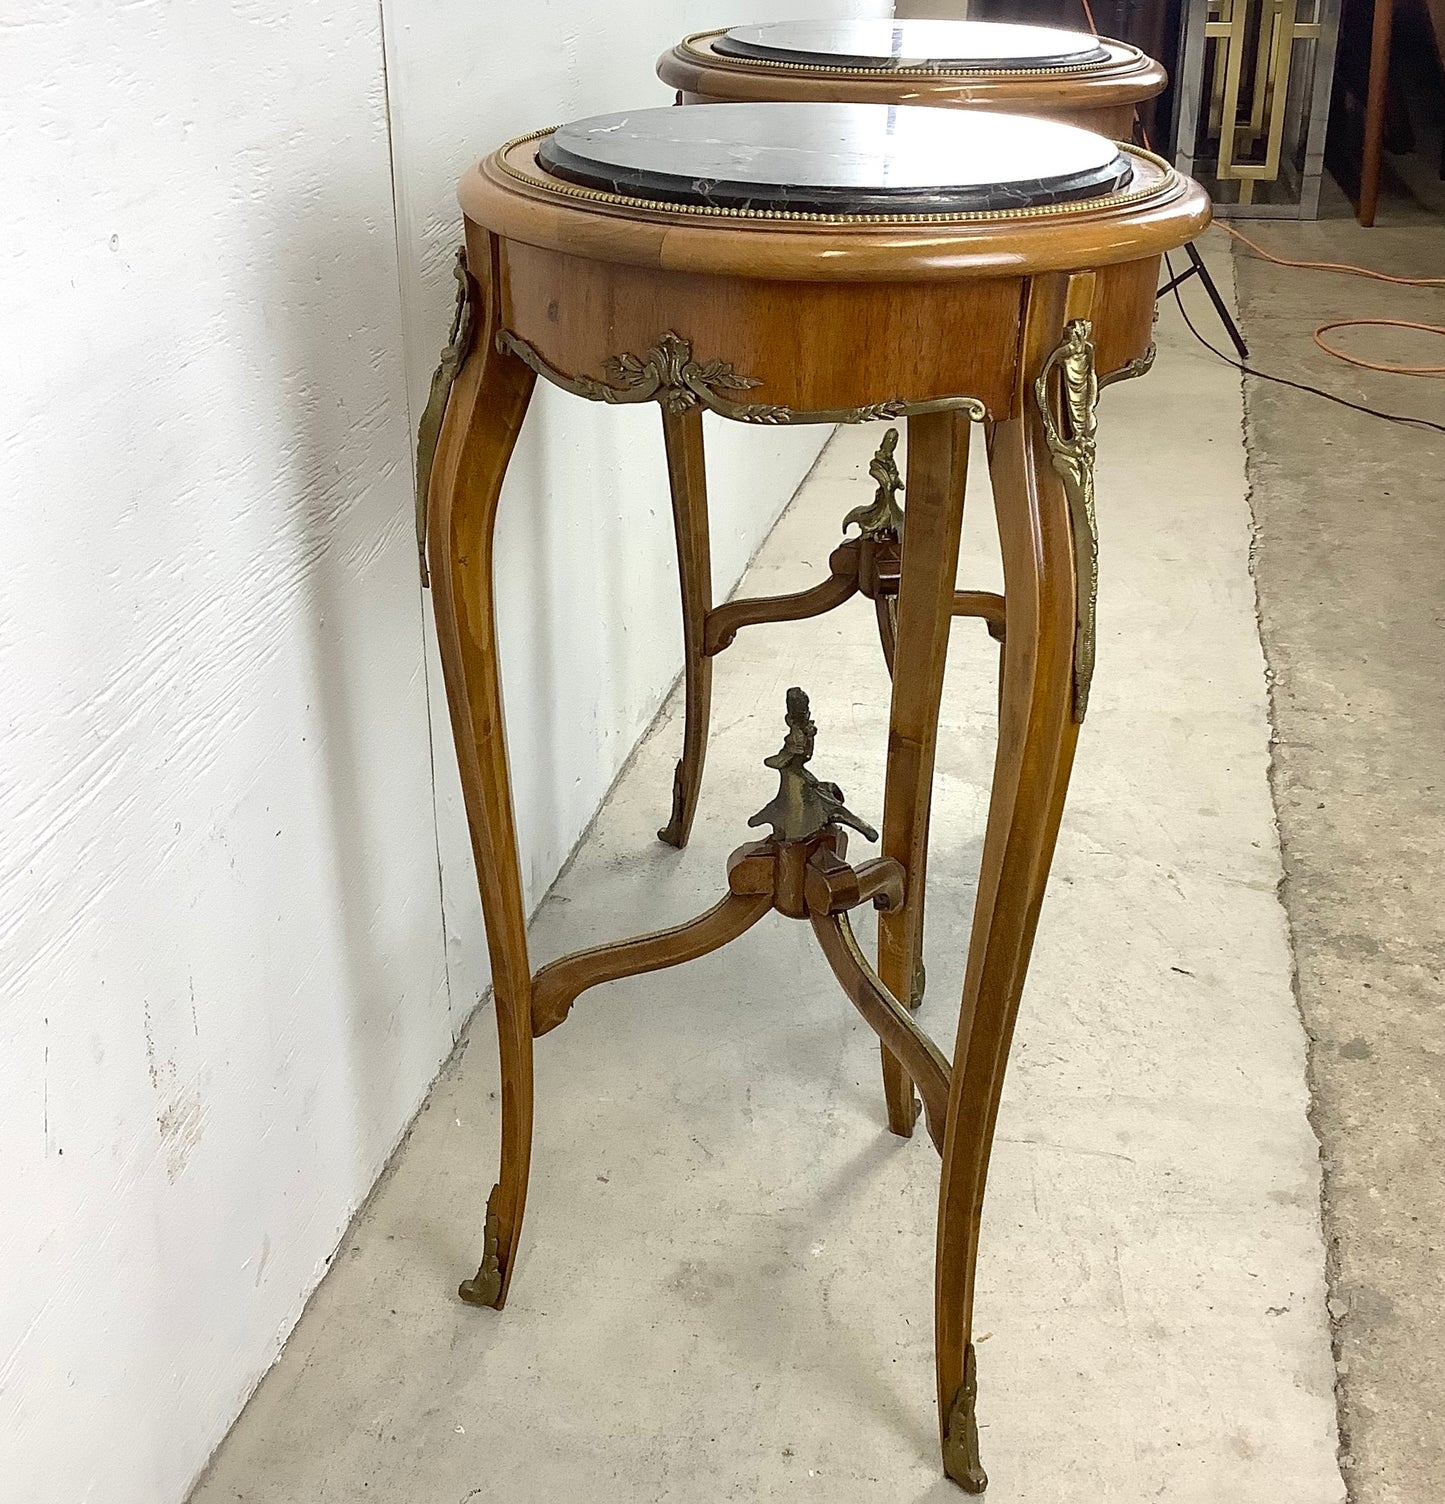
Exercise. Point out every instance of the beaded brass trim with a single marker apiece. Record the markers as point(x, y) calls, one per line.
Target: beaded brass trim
point(667, 373)
point(561, 189)
point(831, 70)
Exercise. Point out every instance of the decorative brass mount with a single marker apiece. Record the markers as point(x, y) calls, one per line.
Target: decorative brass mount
point(666, 372)
point(803, 805)
point(883, 516)
point(485, 1287)
point(428, 431)
point(1131, 370)
point(868, 565)
point(1070, 426)
point(960, 1439)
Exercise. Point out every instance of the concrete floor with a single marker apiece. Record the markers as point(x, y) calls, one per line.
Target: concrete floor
point(1350, 561)
point(725, 1284)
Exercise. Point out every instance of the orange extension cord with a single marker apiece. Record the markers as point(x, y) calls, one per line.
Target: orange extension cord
point(1355, 271)
point(1335, 266)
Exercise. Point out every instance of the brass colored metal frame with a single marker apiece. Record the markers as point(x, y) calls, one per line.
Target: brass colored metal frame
point(1071, 430)
point(1273, 36)
point(667, 373)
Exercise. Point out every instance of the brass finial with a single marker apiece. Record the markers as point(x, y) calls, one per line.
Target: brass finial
point(803, 804)
point(882, 514)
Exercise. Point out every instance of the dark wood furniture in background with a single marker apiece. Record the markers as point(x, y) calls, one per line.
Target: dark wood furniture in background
point(633, 263)
point(1356, 145)
point(1370, 115)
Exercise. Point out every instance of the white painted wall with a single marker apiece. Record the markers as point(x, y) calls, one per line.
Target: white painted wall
point(223, 988)
point(590, 625)
point(220, 941)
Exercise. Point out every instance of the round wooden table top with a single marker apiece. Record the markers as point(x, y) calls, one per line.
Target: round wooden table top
point(841, 192)
point(978, 64)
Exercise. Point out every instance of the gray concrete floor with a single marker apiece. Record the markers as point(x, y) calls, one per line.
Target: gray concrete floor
point(725, 1284)
point(1350, 562)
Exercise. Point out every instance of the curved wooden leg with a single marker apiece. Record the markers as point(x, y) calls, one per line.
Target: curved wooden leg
point(682, 435)
point(483, 417)
point(937, 468)
point(886, 609)
point(1037, 734)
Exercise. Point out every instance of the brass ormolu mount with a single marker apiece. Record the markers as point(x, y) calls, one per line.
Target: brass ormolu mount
point(485, 1287)
point(882, 517)
point(428, 430)
point(960, 1439)
point(1071, 428)
point(803, 806)
point(869, 565)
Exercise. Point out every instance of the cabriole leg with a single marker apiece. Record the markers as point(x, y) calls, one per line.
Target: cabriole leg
point(682, 435)
point(937, 467)
point(1037, 734)
point(483, 416)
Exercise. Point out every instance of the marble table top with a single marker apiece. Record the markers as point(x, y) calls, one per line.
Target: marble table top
point(835, 158)
point(941, 45)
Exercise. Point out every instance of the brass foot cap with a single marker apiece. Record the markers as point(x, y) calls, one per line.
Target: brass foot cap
point(674, 833)
point(960, 1437)
point(971, 1480)
point(481, 1290)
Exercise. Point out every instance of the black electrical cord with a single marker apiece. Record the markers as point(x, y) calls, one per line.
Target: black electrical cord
point(1299, 386)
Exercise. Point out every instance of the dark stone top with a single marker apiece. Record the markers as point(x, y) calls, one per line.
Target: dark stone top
point(835, 158)
point(943, 46)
